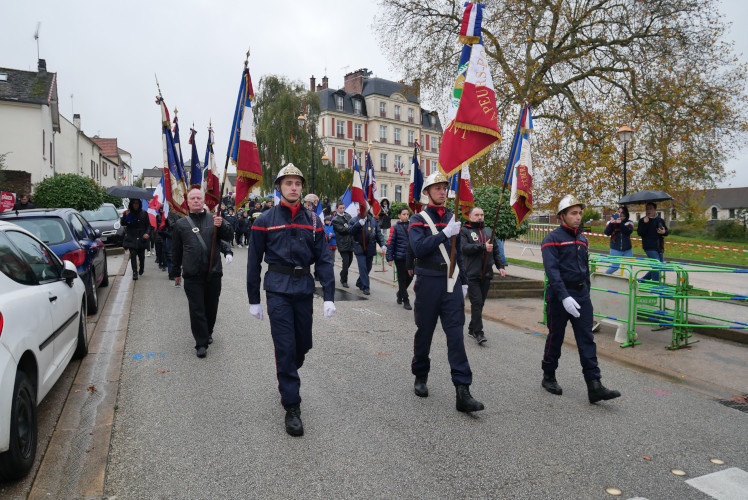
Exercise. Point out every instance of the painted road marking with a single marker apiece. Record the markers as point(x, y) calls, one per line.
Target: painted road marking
point(728, 484)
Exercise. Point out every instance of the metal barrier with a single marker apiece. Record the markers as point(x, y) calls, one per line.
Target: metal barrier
point(534, 236)
point(629, 301)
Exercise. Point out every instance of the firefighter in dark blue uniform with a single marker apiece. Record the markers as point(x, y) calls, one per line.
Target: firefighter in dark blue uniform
point(565, 258)
point(437, 297)
point(291, 239)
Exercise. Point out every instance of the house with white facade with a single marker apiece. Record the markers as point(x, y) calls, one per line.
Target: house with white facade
point(29, 121)
point(76, 152)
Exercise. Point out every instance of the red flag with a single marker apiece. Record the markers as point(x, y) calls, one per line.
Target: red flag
point(243, 144)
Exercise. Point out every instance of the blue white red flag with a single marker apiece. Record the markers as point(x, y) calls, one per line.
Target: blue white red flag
point(372, 193)
point(276, 197)
point(178, 152)
point(467, 200)
point(350, 207)
point(196, 171)
point(519, 169)
point(242, 143)
point(157, 202)
point(358, 198)
point(175, 192)
point(318, 208)
point(211, 184)
point(416, 183)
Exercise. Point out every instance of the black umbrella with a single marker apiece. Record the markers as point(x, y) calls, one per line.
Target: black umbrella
point(132, 192)
point(644, 197)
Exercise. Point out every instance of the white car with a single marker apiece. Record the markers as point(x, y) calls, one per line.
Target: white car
point(42, 326)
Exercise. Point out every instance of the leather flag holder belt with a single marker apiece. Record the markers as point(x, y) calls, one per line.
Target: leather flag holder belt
point(433, 266)
point(575, 286)
point(296, 272)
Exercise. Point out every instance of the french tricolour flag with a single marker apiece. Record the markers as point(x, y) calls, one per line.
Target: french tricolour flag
point(358, 198)
point(156, 203)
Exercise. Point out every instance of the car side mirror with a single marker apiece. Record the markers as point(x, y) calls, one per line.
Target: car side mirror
point(97, 232)
point(69, 272)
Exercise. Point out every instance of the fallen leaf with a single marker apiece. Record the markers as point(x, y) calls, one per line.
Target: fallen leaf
point(384, 353)
point(739, 399)
point(646, 457)
point(77, 390)
point(92, 388)
point(162, 371)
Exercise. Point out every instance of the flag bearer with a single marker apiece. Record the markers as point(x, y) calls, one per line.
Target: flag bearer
point(437, 297)
point(565, 258)
point(478, 245)
point(291, 240)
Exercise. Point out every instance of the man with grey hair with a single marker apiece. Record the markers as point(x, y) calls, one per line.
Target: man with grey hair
point(191, 241)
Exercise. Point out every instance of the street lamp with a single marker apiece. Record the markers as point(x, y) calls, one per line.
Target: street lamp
point(325, 160)
point(624, 135)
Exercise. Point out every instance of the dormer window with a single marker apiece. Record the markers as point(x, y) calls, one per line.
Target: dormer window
point(3, 77)
point(356, 107)
point(339, 102)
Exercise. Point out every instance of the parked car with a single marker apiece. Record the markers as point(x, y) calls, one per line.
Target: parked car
point(42, 327)
point(72, 238)
point(106, 219)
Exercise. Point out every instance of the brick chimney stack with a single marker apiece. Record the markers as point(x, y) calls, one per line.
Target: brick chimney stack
point(354, 81)
point(77, 121)
point(42, 66)
point(311, 84)
point(324, 82)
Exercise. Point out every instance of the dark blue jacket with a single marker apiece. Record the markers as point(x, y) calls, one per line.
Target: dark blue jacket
point(620, 234)
point(425, 245)
point(648, 232)
point(566, 261)
point(289, 243)
point(397, 245)
point(373, 235)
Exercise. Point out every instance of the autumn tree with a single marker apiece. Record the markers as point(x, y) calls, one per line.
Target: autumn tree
point(281, 140)
point(587, 67)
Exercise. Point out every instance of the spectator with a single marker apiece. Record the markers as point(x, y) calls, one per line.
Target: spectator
point(330, 235)
point(619, 228)
point(23, 203)
point(137, 228)
point(398, 251)
point(652, 230)
point(385, 218)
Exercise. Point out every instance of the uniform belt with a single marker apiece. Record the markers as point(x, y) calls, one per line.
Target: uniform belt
point(434, 266)
point(296, 272)
point(575, 286)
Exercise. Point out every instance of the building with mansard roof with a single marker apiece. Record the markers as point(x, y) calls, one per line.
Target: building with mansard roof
point(384, 113)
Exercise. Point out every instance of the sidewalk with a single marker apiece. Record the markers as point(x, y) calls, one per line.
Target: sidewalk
point(715, 367)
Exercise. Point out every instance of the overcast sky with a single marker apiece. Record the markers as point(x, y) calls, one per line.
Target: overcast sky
point(106, 54)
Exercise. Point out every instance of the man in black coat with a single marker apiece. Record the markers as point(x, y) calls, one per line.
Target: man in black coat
point(478, 246)
point(137, 231)
point(341, 225)
point(23, 203)
point(192, 237)
point(366, 235)
point(652, 229)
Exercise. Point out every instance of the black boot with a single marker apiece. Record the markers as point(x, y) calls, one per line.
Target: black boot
point(597, 391)
point(420, 388)
point(480, 337)
point(134, 275)
point(466, 402)
point(399, 300)
point(406, 305)
point(293, 420)
point(549, 383)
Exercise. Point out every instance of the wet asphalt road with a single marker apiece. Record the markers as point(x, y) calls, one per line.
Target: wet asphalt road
point(213, 428)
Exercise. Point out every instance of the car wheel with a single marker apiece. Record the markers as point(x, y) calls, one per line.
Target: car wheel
point(105, 278)
point(82, 348)
point(92, 294)
point(17, 461)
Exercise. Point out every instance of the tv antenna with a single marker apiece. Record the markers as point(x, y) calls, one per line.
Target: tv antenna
point(36, 37)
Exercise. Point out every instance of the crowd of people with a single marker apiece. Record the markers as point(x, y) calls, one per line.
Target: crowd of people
point(299, 248)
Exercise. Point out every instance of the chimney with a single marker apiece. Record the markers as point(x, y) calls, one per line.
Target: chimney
point(77, 121)
point(354, 81)
point(42, 66)
point(311, 84)
point(324, 82)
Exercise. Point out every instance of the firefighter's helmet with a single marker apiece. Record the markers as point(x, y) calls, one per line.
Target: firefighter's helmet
point(289, 169)
point(568, 201)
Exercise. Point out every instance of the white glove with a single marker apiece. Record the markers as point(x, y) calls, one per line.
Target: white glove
point(255, 310)
point(362, 221)
point(384, 249)
point(452, 228)
point(464, 291)
point(229, 258)
point(571, 306)
point(328, 309)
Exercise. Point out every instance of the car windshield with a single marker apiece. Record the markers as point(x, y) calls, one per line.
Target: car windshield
point(104, 212)
point(50, 230)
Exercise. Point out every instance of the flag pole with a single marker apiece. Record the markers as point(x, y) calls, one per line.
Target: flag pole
point(512, 153)
point(457, 211)
point(223, 186)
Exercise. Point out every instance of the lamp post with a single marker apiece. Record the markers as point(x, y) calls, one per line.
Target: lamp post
point(325, 160)
point(624, 135)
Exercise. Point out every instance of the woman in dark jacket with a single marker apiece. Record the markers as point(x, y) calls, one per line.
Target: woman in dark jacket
point(385, 217)
point(398, 250)
point(137, 229)
point(619, 228)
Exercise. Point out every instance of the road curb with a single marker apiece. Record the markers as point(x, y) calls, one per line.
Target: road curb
point(75, 462)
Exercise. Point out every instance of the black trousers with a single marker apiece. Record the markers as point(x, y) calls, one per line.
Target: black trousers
point(403, 280)
point(347, 259)
point(477, 293)
point(202, 298)
point(139, 254)
point(160, 254)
